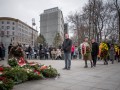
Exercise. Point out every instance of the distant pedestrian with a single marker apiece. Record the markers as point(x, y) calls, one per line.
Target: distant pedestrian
point(50, 49)
point(3, 52)
point(0, 52)
point(112, 53)
point(95, 51)
point(53, 53)
point(9, 47)
point(58, 54)
point(67, 44)
point(72, 51)
point(30, 52)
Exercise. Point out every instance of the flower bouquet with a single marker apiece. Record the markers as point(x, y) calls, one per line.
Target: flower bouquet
point(49, 72)
point(103, 50)
point(17, 74)
point(16, 51)
point(5, 83)
point(85, 50)
point(12, 62)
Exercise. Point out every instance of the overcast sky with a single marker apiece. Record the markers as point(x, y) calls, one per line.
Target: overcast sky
point(25, 10)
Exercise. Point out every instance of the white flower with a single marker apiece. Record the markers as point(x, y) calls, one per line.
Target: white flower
point(1, 82)
point(1, 73)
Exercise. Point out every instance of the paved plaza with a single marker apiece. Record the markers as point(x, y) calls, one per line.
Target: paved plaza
point(102, 77)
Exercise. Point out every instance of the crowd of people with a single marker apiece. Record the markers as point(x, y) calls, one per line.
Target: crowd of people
point(88, 50)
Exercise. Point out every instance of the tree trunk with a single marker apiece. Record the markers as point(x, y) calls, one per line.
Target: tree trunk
point(100, 36)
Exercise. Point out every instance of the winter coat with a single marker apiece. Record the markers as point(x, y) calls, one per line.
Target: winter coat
point(112, 53)
point(67, 44)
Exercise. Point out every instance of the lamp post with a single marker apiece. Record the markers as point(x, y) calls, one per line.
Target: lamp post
point(33, 24)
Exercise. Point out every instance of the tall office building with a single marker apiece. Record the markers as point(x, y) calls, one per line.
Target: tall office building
point(65, 28)
point(51, 23)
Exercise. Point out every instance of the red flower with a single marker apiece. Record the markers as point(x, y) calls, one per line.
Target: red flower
point(1, 68)
point(36, 71)
point(21, 62)
point(43, 67)
point(83, 49)
point(2, 78)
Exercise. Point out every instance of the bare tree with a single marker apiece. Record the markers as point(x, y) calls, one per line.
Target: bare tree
point(97, 18)
point(117, 5)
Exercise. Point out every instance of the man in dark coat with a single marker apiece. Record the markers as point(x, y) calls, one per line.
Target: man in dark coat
point(67, 44)
point(95, 51)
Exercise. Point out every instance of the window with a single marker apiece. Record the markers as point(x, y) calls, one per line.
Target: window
point(8, 22)
point(13, 28)
point(7, 32)
point(2, 27)
point(2, 22)
point(8, 27)
point(13, 33)
point(2, 33)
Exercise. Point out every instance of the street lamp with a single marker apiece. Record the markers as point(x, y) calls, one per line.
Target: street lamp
point(33, 24)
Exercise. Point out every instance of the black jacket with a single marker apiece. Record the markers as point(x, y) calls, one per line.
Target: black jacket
point(95, 48)
point(67, 44)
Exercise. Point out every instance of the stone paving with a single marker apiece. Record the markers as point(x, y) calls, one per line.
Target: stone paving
point(101, 77)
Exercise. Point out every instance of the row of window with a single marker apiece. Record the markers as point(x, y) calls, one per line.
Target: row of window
point(25, 31)
point(8, 33)
point(7, 27)
point(22, 26)
point(8, 22)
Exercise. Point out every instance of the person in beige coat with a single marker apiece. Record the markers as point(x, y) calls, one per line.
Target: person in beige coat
point(86, 52)
point(53, 53)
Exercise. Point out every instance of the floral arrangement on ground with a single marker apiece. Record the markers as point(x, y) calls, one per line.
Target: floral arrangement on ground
point(20, 71)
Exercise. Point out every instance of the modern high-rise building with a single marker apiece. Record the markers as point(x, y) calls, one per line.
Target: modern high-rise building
point(51, 23)
point(65, 28)
point(15, 31)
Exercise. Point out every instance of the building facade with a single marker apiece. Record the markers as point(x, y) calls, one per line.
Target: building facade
point(15, 31)
point(65, 28)
point(51, 23)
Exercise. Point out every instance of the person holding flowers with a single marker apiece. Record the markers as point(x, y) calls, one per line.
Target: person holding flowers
point(103, 52)
point(86, 52)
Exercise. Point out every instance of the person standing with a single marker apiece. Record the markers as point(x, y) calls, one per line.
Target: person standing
point(29, 52)
point(50, 49)
point(9, 47)
point(67, 44)
point(72, 51)
point(0, 52)
point(3, 51)
point(95, 51)
point(86, 52)
point(112, 53)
